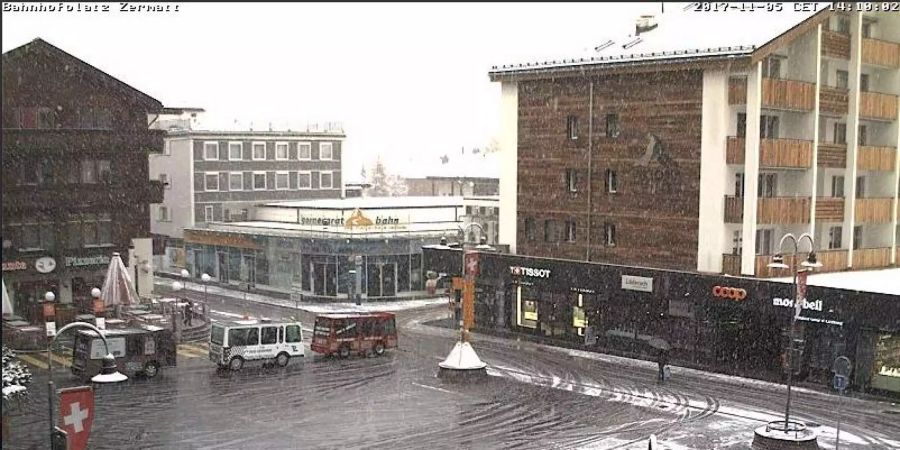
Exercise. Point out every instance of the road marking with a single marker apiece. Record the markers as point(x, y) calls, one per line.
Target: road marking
point(32, 361)
point(39, 360)
point(193, 351)
point(435, 388)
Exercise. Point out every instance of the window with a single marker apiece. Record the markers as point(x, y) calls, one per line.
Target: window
point(259, 151)
point(163, 214)
point(209, 213)
point(89, 229)
point(253, 336)
point(46, 118)
point(742, 124)
point(269, 336)
point(104, 169)
point(768, 185)
point(739, 184)
point(572, 127)
point(612, 181)
point(281, 180)
point(571, 180)
point(612, 125)
point(281, 151)
point(837, 186)
point(167, 148)
point(325, 180)
point(867, 29)
point(864, 82)
point(304, 150)
point(104, 228)
point(259, 181)
point(768, 127)
point(304, 180)
point(737, 242)
point(834, 237)
point(857, 237)
point(326, 150)
point(292, 334)
point(236, 181)
point(862, 135)
point(529, 229)
point(840, 133)
point(89, 173)
point(469, 209)
point(237, 337)
point(211, 181)
point(843, 25)
point(570, 231)
point(210, 151)
point(772, 67)
point(609, 233)
point(843, 79)
point(860, 187)
point(30, 174)
point(763, 242)
point(235, 151)
point(164, 179)
point(549, 232)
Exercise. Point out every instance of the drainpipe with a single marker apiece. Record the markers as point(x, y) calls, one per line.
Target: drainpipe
point(590, 189)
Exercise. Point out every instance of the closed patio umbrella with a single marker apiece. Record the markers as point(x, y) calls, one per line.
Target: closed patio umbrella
point(118, 289)
point(7, 304)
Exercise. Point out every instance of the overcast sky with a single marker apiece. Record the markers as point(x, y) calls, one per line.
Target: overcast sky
point(405, 79)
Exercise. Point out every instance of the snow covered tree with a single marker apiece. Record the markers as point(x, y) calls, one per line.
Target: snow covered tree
point(16, 377)
point(385, 184)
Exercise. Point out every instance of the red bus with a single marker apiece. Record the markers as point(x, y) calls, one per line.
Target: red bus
point(360, 333)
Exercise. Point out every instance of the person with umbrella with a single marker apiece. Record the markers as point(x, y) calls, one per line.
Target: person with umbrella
point(662, 359)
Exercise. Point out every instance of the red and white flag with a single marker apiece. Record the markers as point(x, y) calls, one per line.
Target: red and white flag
point(76, 415)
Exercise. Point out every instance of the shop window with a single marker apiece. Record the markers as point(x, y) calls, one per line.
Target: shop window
point(269, 335)
point(834, 237)
point(572, 127)
point(526, 308)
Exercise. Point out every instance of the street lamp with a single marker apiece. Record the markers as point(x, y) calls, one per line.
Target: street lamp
point(108, 372)
point(205, 279)
point(49, 296)
point(778, 263)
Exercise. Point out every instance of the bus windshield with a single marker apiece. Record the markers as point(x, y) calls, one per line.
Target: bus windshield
point(217, 335)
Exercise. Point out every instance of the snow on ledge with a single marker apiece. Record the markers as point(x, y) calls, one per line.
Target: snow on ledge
point(883, 281)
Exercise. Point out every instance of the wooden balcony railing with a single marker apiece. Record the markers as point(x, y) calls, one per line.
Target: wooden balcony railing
point(731, 264)
point(875, 105)
point(832, 261)
point(868, 258)
point(876, 158)
point(788, 153)
point(785, 210)
point(873, 210)
point(833, 101)
point(734, 209)
point(835, 45)
point(830, 209)
point(832, 155)
point(734, 150)
point(881, 53)
point(788, 94)
point(737, 90)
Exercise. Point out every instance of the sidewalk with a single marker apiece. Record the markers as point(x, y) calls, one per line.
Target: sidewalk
point(317, 308)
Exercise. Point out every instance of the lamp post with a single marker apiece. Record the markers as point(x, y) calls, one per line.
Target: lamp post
point(205, 279)
point(108, 373)
point(778, 263)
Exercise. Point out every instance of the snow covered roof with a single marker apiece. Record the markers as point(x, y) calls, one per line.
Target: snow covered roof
point(367, 203)
point(885, 281)
point(682, 34)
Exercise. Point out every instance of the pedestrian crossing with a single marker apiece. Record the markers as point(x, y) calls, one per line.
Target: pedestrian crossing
point(39, 360)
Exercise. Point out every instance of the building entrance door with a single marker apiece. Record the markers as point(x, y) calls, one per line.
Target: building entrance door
point(382, 280)
point(223, 267)
point(324, 282)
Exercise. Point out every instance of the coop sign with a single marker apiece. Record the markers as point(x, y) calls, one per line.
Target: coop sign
point(788, 303)
point(519, 271)
point(81, 261)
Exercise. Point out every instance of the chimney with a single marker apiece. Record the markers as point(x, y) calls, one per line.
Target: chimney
point(644, 24)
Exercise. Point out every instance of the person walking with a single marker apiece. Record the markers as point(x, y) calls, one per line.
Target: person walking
point(188, 313)
point(663, 361)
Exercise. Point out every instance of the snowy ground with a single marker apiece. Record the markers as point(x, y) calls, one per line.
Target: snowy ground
point(885, 281)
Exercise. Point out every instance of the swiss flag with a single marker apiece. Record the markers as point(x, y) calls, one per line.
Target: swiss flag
point(76, 415)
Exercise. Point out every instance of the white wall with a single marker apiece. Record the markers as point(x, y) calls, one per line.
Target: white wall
point(751, 168)
point(713, 185)
point(877, 235)
point(142, 255)
point(509, 151)
point(801, 58)
point(179, 195)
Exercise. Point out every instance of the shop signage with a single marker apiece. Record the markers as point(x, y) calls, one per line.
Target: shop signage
point(45, 264)
point(79, 261)
point(519, 271)
point(788, 303)
point(729, 293)
point(10, 266)
point(633, 283)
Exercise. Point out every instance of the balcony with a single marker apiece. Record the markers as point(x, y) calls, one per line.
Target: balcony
point(734, 209)
point(832, 261)
point(37, 140)
point(790, 95)
point(776, 153)
point(731, 264)
point(830, 209)
point(835, 45)
point(737, 90)
point(881, 53)
point(833, 101)
point(876, 158)
point(734, 150)
point(870, 258)
point(832, 155)
point(877, 106)
point(784, 210)
point(873, 210)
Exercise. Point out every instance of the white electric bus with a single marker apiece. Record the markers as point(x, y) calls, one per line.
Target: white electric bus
point(231, 344)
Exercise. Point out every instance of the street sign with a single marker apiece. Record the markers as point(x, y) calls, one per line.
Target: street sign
point(840, 382)
point(842, 366)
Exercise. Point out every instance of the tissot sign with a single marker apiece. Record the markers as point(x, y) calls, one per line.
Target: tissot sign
point(519, 271)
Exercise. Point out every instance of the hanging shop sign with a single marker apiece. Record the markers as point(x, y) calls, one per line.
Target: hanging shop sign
point(45, 264)
point(519, 271)
point(729, 293)
point(633, 283)
point(10, 266)
point(788, 303)
point(82, 261)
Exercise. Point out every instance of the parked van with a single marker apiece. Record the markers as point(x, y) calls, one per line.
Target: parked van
point(361, 333)
point(231, 344)
point(141, 350)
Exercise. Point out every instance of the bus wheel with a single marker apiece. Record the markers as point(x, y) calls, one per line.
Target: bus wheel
point(282, 359)
point(379, 348)
point(151, 369)
point(236, 363)
point(344, 351)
